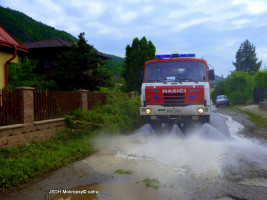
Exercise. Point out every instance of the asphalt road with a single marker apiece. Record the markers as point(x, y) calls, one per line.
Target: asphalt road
point(211, 162)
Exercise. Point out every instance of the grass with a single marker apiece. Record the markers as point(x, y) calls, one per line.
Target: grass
point(123, 172)
point(22, 164)
point(19, 165)
point(257, 119)
point(154, 183)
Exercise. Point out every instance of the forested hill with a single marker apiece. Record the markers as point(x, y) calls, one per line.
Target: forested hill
point(114, 64)
point(219, 78)
point(26, 29)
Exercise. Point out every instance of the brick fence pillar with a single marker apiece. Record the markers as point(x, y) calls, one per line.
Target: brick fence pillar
point(83, 98)
point(26, 105)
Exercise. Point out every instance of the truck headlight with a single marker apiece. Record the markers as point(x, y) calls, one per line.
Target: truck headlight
point(148, 111)
point(200, 111)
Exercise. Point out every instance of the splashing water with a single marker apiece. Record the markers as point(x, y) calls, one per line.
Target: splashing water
point(145, 130)
point(204, 162)
point(202, 159)
point(176, 131)
point(204, 150)
point(209, 132)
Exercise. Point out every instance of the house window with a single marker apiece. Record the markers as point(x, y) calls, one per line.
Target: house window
point(47, 63)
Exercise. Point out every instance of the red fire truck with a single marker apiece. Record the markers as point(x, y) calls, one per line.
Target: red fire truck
point(176, 88)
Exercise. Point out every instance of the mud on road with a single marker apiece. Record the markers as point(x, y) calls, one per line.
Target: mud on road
point(232, 165)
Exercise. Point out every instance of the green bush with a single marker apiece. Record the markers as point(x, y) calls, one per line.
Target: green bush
point(261, 81)
point(239, 87)
point(261, 78)
point(119, 115)
point(238, 97)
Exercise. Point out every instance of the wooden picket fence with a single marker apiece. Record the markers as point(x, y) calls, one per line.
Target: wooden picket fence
point(9, 107)
point(47, 104)
point(54, 104)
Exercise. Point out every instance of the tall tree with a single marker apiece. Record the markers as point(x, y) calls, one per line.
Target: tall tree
point(246, 59)
point(80, 68)
point(136, 55)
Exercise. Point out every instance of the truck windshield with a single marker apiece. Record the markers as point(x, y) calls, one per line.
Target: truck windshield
point(176, 71)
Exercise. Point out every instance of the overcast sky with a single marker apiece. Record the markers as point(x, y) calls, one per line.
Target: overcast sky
point(213, 29)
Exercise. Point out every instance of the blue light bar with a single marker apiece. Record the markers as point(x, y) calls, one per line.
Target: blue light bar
point(187, 55)
point(164, 56)
point(191, 55)
point(175, 56)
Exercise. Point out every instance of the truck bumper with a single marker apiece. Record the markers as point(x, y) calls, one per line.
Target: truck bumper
point(186, 113)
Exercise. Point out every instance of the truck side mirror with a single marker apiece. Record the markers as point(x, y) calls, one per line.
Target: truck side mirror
point(141, 77)
point(211, 74)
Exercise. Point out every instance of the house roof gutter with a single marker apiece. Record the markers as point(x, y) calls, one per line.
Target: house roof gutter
point(7, 62)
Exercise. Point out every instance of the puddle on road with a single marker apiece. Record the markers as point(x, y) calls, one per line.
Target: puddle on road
point(184, 165)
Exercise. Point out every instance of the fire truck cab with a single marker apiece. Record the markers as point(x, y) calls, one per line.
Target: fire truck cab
point(176, 88)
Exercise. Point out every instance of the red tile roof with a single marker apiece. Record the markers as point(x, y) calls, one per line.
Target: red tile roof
point(7, 40)
point(48, 43)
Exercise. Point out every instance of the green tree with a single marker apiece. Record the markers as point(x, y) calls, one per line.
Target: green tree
point(246, 59)
point(261, 78)
point(22, 74)
point(80, 68)
point(239, 87)
point(136, 56)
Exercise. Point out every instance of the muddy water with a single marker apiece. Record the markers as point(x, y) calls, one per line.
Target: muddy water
point(203, 164)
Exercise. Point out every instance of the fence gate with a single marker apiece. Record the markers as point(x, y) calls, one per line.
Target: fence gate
point(259, 95)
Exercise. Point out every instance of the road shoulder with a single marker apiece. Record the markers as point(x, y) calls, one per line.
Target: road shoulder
point(251, 129)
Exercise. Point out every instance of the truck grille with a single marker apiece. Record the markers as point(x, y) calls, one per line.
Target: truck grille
point(174, 99)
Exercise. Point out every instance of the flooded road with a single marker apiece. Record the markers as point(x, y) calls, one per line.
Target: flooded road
point(207, 162)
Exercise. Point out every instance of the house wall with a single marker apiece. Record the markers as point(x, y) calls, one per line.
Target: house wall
point(3, 58)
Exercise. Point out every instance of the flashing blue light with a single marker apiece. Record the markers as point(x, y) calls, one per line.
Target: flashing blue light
point(156, 97)
point(191, 97)
point(175, 56)
point(188, 55)
point(184, 55)
point(192, 55)
point(159, 56)
point(164, 56)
